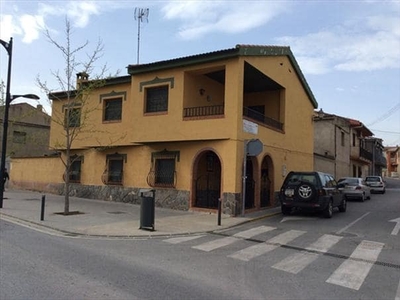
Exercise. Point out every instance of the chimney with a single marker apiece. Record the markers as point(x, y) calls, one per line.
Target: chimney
point(39, 107)
point(81, 78)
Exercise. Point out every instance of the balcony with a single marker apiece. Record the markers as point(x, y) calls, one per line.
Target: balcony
point(261, 118)
point(366, 154)
point(380, 161)
point(203, 112)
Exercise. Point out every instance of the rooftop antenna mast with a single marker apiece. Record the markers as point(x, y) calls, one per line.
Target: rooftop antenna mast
point(141, 15)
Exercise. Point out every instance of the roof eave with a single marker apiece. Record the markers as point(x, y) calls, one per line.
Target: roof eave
point(183, 61)
point(239, 50)
point(74, 93)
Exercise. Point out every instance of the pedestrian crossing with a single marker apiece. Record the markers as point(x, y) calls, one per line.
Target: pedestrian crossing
point(247, 234)
point(353, 271)
point(350, 274)
point(298, 261)
point(263, 248)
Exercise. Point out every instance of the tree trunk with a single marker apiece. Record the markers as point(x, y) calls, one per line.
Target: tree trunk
point(66, 193)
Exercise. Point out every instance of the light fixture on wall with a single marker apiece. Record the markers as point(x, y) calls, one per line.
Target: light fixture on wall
point(202, 91)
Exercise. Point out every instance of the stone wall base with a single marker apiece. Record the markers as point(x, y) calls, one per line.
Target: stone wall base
point(165, 198)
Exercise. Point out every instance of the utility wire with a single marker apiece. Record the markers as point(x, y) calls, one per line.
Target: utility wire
point(386, 115)
point(384, 131)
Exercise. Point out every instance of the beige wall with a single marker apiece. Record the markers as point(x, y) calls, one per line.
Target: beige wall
point(293, 149)
point(37, 173)
point(93, 132)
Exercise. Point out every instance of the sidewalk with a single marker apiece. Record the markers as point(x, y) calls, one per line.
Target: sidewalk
point(98, 218)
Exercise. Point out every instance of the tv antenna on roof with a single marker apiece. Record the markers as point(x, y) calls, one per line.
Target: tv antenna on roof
point(141, 15)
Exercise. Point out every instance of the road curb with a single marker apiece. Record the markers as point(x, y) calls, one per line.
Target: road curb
point(65, 233)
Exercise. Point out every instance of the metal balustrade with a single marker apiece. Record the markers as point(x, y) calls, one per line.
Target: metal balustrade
point(203, 111)
point(259, 117)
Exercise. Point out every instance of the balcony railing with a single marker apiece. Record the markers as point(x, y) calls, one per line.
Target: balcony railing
point(255, 115)
point(203, 111)
point(380, 160)
point(365, 154)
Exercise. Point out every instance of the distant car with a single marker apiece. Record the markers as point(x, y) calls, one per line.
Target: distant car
point(311, 190)
point(354, 188)
point(376, 183)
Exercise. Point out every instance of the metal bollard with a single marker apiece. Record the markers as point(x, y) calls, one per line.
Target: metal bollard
point(42, 208)
point(219, 211)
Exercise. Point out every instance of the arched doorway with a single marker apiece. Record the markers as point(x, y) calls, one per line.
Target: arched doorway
point(207, 180)
point(266, 182)
point(250, 185)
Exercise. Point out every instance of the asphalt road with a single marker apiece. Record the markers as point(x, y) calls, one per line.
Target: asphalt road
point(354, 255)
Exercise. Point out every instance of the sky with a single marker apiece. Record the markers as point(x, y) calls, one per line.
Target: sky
point(348, 51)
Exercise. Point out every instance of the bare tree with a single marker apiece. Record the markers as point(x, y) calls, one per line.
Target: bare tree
point(74, 116)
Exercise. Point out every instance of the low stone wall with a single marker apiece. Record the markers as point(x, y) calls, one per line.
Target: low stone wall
point(165, 198)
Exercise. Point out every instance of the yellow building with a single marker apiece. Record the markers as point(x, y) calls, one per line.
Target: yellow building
point(182, 126)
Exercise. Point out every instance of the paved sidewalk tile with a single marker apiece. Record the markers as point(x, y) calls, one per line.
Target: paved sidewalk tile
point(111, 219)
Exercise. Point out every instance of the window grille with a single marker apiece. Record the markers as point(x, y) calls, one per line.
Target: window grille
point(157, 99)
point(113, 109)
point(163, 173)
point(72, 117)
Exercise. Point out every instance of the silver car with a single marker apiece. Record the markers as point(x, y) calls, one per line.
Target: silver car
point(376, 183)
point(354, 188)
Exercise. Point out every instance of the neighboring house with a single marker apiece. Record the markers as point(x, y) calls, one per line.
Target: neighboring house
point(340, 146)
point(378, 164)
point(393, 160)
point(331, 144)
point(28, 131)
point(184, 127)
point(360, 157)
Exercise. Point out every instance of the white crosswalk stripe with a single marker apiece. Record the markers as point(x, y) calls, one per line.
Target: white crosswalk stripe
point(298, 261)
point(353, 271)
point(182, 239)
point(271, 244)
point(247, 234)
point(350, 274)
point(209, 246)
point(398, 293)
point(212, 245)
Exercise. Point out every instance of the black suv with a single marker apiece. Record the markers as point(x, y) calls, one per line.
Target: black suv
point(311, 190)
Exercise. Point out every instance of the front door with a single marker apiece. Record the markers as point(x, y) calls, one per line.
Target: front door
point(266, 182)
point(208, 181)
point(250, 185)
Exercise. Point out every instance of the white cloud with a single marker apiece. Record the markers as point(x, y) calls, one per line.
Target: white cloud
point(8, 27)
point(202, 17)
point(313, 65)
point(81, 11)
point(31, 26)
point(371, 44)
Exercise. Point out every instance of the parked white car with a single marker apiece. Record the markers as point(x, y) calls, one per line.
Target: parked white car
point(354, 188)
point(376, 183)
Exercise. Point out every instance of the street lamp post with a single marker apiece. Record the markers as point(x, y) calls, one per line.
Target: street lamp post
point(9, 98)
